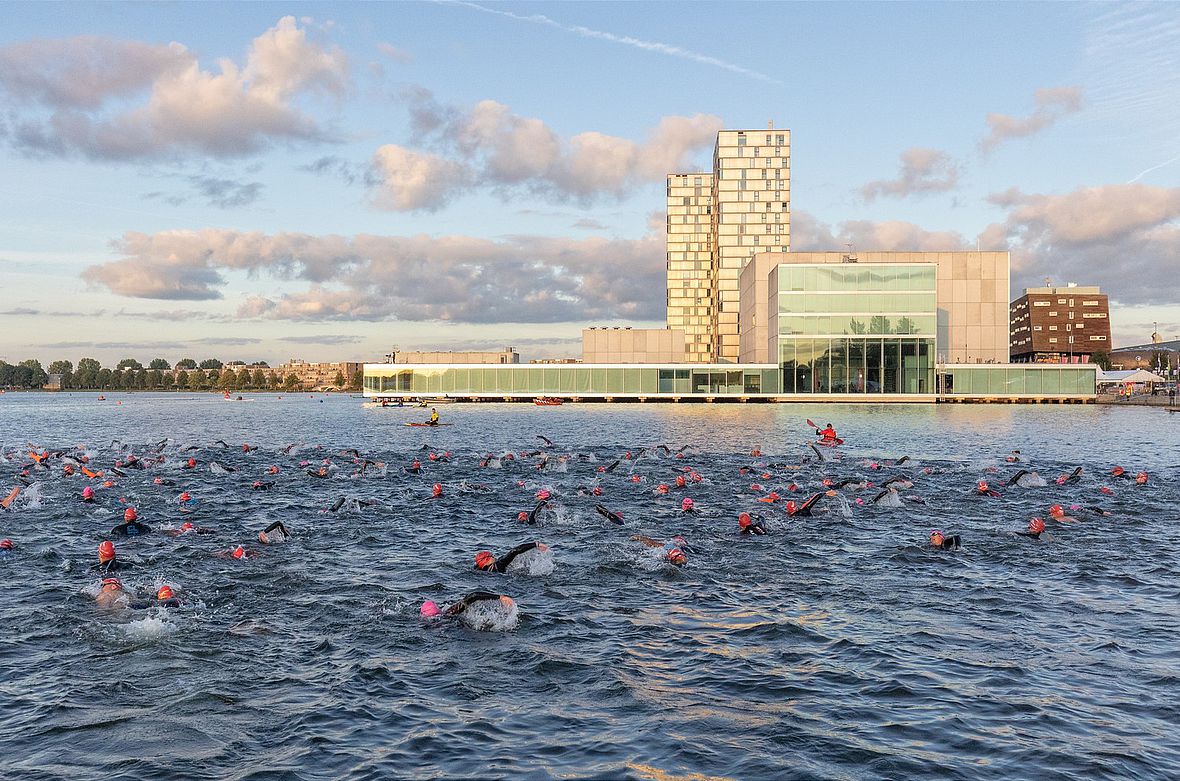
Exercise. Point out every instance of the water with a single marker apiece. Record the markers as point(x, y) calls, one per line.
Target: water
point(839, 646)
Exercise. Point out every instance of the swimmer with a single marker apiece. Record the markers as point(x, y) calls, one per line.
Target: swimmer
point(983, 489)
point(131, 527)
point(165, 597)
point(1027, 479)
point(1119, 473)
point(485, 561)
point(804, 509)
point(1015, 458)
point(274, 534)
point(943, 542)
point(189, 528)
point(889, 496)
point(436, 491)
point(1073, 477)
point(6, 546)
point(1057, 513)
point(674, 553)
point(1035, 527)
point(190, 464)
point(107, 560)
point(430, 610)
point(1141, 478)
point(899, 482)
point(415, 467)
point(531, 517)
point(219, 468)
point(610, 516)
point(320, 474)
point(238, 552)
point(111, 594)
point(259, 485)
point(88, 495)
point(7, 501)
point(750, 525)
point(687, 506)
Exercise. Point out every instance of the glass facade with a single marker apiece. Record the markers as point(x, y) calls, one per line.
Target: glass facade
point(848, 328)
point(571, 380)
point(1023, 380)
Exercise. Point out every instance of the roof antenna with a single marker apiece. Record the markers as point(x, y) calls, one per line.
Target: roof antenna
point(850, 256)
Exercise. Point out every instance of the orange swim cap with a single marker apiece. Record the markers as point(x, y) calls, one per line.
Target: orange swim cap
point(165, 592)
point(1118, 470)
point(436, 489)
point(677, 557)
point(185, 496)
point(791, 507)
point(1056, 511)
point(744, 520)
point(111, 583)
point(936, 538)
point(5, 544)
point(1141, 478)
point(484, 559)
point(106, 551)
point(187, 526)
point(239, 552)
point(129, 514)
point(1036, 526)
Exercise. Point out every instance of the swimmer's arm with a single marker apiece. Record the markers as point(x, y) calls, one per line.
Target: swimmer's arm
point(503, 562)
point(277, 525)
point(469, 600)
point(648, 541)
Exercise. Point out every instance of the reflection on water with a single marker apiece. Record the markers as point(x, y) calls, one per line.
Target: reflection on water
point(839, 646)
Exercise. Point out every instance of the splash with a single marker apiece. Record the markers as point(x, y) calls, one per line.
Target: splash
point(491, 616)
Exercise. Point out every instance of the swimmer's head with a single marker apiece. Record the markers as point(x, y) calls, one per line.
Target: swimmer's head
point(1036, 526)
point(192, 462)
point(165, 592)
point(596, 490)
point(130, 515)
point(745, 521)
point(187, 526)
point(1118, 471)
point(429, 609)
point(981, 486)
point(106, 551)
point(1141, 478)
point(936, 538)
point(680, 481)
point(6, 544)
point(112, 584)
point(507, 602)
point(108, 483)
point(791, 507)
point(436, 489)
point(662, 488)
point(484, 559)
point(1056, 511)
point(158, 480)
point(522, 516)
point(185, 496)
point(686, 505)
point(677, 557)
point(239, 552)
point(542, 495)
point(87, 493)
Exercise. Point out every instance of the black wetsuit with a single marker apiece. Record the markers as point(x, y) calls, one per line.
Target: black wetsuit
point(605, 513)
point(1074, 476)
point(262, 486)
point(756, 527)
point(501, 564)
point(953, 542)
point(278, 526)
point(323, 476)
point(808, 506)
point(1034, 535)
point(469, 600)
point(131, 529)
point(533, 515)
point(113, 565)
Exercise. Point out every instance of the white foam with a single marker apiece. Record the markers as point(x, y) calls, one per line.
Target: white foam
point(533, 563)
point(148, 629)
point(491, 616)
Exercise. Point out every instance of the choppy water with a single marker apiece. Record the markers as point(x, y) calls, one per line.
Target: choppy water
point(839, 646)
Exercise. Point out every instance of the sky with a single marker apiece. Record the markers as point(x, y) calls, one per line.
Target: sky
point(263, 181)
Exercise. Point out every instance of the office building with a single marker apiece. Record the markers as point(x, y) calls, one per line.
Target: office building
point(633, 345)
point(1059, 325)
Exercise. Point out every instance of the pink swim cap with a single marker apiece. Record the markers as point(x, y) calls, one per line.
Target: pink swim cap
point(429, 609)
point(542, 495)
point(87, 492)
point(686, 504)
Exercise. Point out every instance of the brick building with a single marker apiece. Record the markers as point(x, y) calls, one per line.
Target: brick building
point(1059, 325)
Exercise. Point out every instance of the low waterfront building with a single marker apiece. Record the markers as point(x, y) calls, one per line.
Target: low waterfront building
point(1059, 325)
point(507, 355)
point(633, 345)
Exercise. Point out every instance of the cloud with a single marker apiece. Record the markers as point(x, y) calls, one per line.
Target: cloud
point(421, 278)
point(922, 171)
point(20, 311)
point(322, 339)
point(589, 224)
point(86, 96)
point(395, 54)
point(348, 172)
point(214, 191)
point(627, 40)
point(489, 146)
point(228, 341)
point(808, 234)
point(1123, 237)
point(1052, 103)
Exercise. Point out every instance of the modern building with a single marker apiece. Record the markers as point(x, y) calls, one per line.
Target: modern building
point(1059, 325)
point(717, 221)
point(507, 355)
point(1161, 357)
point(317, 375)
point(633, 345)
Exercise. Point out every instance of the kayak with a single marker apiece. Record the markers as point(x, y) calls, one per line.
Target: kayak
point(430, 425)
point(547, 401)
point(829, 442)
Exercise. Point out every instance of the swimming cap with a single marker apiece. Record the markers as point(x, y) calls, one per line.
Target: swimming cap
point(239, 552)
point(791, 507)
point(432, 457)
point(158, 480)
point(187, 526)
point(1036, 526)
point(185, 496)
point(522, 516)
point(686, 504)
point(192, 462)
point(484, 559)
point(596, 490)
point(165, 592)
point(1141, 477)
point(129, 514)
point(680, 481)
point(108, 484)
point(106, 551)
point(436, 489)
point(6, 544)
point(1118, 470)
point(542, 495)
point(429, 609)
point(982, 485)
point(245, 448)
point(111, 582)
point(87, 492)
point(662, 488)
point(1056, 510)
point(744, 520)
point(677, 557)
point(634, 478)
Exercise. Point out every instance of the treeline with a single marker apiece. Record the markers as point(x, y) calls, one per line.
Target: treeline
point(130, 374)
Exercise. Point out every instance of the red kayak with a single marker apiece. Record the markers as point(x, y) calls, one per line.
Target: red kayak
point(829, 442)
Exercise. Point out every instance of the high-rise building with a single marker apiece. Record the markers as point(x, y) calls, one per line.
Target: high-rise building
point(717, 222)
point(1059, 324)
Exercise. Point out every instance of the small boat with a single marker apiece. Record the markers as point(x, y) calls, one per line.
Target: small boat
point(441, 400)
point(102, 398)
point(548, 401)
point(829, 442)
point(428, 425)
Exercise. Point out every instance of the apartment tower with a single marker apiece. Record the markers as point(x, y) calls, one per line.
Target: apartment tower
point(716, 223)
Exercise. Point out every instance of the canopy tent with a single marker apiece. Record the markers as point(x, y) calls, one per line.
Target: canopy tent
point(1127, 377)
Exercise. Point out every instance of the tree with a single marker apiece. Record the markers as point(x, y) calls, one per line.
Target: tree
point(117, 379)
point(61, 367)
point(906, 326)
point(244, 378)
point(273, 381)
point(22, 376)
point(37, 375)
point(1102, 359)
point(186, 363)
point(358, 379)
point(159, 363)
point(211, 363)
point(155, 378)
point(290, 382)
point(259, 379)
point(339, 380)
point(103, 378)
point(182, 379)
point(212, 376)
point(227, 380)
point(87, 374)
point(129, 363)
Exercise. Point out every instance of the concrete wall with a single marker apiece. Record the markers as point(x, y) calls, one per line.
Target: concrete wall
point(754, 313)
point(421, 356)
point(633, 345)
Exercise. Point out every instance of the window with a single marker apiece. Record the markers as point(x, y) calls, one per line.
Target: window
point(1052, 314)
point(1089, 303)
point(1052, 328)
point(1061, 300)
point(1040, 303)
point(1097, 338)
point(780, 139)
point(1036, 328)
point(1052, 341)
point(1088, 315)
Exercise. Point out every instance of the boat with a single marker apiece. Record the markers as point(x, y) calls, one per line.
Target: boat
point(385, 403)
point(102, 398)
point(428, 425)
point(547, 401)
point(441, 400)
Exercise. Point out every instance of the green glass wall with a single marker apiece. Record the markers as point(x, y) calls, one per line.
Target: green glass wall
point(849, 328)
point(1024, 380)
point(573, 380)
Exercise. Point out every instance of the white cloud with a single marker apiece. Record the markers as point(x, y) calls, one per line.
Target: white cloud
point(79, 96)
point(1052, 103)
point(415, 181)
point(922, 171)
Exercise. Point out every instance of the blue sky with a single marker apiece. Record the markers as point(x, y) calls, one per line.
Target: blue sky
point(328, 181)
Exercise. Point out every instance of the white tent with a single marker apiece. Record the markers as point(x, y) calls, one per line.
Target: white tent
point(1127, 377)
